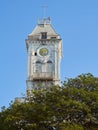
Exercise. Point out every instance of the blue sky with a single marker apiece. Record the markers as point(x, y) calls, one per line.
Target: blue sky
point(75, 20)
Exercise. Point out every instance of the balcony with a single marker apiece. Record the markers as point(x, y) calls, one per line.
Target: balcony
point(42, 76)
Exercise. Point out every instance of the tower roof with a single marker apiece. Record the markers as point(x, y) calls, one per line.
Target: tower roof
point(44, 25)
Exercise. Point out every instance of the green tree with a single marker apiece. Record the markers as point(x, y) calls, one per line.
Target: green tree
point(84, 90)
point(71, 107)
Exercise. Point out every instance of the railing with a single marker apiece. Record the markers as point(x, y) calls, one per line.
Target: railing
point(42, 76)
point(44, 21)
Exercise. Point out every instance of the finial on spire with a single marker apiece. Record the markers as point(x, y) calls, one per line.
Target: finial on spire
point(44, 10)
point(44, 20)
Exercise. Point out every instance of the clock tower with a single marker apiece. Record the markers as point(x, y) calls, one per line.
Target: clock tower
point(44, 48)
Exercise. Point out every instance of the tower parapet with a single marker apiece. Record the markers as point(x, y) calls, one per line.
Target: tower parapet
point(44, 21)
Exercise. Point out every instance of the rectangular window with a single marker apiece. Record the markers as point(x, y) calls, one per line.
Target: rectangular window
point(44, 35)
point(53, 37)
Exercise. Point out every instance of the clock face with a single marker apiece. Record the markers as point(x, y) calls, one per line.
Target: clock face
point(43, 51)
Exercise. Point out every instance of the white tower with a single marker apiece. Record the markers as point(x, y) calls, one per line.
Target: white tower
point(44, 47)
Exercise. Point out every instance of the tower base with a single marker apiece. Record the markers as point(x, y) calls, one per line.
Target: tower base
point(40, 85)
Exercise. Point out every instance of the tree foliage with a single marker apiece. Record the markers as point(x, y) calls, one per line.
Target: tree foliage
point(71, 107)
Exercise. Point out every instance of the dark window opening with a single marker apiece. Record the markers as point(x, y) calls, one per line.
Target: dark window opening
point(44, 35)
point(49, 61)
point(35, 53)
point(38, 62)
point(53, 37)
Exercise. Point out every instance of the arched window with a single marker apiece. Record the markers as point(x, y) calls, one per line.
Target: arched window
point(49, 66)
point(38, 62)
point(38, 66)
point(49, 61)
